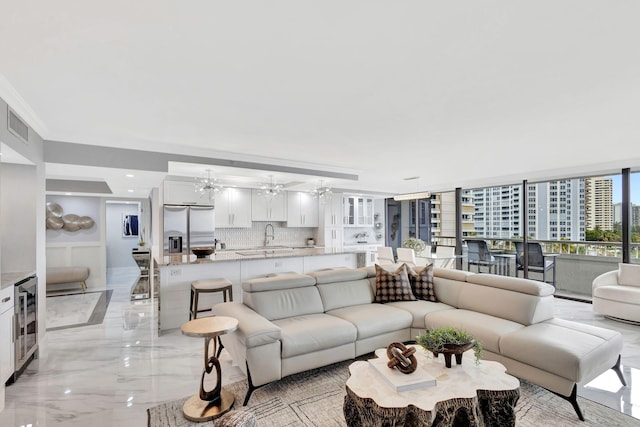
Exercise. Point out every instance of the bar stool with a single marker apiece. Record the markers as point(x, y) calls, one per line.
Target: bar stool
point(207, 286)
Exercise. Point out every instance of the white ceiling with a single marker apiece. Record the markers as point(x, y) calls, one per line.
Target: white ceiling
point(464, 93)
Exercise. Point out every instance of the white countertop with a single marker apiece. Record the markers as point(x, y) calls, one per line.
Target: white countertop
point(249, 254)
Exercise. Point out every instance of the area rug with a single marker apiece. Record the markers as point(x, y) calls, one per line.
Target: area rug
point(77, 309)
point(314, 398)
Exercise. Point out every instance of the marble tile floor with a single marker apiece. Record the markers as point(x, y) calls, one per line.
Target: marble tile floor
point(109, 374)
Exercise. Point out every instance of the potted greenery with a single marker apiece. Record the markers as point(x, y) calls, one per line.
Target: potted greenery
point(416, 244)
point(450, 341)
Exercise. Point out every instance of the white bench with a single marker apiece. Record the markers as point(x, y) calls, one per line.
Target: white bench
point(58, 275)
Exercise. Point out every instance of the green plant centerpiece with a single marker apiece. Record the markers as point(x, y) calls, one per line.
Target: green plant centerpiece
point(416, 244)
point(450, 341)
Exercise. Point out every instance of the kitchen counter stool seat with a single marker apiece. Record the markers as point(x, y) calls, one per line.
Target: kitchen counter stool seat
point(207, 286)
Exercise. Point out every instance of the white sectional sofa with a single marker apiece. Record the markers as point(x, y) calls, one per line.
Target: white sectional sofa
point(290, 323)
point(616, 294)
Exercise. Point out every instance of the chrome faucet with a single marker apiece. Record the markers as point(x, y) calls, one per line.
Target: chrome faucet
point(269, 237)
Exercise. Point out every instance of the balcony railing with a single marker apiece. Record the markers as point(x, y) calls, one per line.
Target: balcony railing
point(577, 263)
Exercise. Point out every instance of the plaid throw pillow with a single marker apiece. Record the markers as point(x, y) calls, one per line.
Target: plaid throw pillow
point(422, 283)
point(394, 286)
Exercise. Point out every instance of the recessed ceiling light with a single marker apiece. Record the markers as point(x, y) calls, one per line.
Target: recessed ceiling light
point(130, 175)
point(130, 191)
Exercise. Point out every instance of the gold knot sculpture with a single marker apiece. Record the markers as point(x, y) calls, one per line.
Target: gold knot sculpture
point(401, 358)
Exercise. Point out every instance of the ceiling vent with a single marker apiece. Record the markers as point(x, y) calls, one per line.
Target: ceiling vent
point(17, 126)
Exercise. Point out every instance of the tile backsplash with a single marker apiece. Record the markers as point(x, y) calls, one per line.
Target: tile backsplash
point(241, 238)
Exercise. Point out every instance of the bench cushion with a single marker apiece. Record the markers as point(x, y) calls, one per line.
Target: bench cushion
point(66, 274)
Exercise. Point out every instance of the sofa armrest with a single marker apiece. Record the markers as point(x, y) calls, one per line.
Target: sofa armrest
point(253, 329)
point(605, 279)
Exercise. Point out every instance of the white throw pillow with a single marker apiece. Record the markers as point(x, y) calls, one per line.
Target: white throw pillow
point(629, 274)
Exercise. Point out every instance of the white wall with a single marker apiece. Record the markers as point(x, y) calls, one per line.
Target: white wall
point(83, 247)
point(18, 213)
point(118, 246)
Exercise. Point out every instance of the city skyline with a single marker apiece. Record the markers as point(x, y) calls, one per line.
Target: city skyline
point(617, 188)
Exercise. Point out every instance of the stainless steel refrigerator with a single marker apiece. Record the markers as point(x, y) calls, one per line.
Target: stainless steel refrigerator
point(187, 227)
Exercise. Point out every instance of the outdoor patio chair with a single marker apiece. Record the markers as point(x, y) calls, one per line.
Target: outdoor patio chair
point(479, 254)
point(539, 262)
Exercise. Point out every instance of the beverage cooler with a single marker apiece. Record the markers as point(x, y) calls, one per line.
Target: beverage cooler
point(25, 323)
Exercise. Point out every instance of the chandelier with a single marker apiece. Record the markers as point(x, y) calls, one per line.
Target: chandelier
point(208, 186)
point(270, 189)
point(322, 191)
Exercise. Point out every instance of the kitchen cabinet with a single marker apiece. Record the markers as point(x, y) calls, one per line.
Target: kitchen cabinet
point(330, 232)
point(184, 193)
point(268, 208)
point(358, 211)
point(233, 208)
point(332, 210)
point(6, 333)
point(302, 209)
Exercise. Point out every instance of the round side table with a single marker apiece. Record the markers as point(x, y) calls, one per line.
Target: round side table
point(209, 404)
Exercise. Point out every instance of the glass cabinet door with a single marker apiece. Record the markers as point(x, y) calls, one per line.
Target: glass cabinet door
point(368, 215)
point(349, 211)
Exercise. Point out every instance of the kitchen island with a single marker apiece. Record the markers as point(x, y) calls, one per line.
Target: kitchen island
point(175, 274)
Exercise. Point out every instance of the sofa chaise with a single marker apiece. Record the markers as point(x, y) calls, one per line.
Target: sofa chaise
point(289, 323)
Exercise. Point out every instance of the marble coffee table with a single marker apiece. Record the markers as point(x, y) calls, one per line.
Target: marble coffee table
point(466, 394)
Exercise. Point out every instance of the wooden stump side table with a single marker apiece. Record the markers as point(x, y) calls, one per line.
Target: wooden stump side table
point(465, 395)
point(209, 404)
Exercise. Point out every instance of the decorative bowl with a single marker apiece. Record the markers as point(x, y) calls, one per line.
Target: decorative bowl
point(203, 252)
point(454, 349)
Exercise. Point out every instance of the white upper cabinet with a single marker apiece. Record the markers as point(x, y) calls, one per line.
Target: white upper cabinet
point(333, 210)
point(302, 209)
point(184, 193)
point(358, 211)
point(268, 208)
point(233, 208)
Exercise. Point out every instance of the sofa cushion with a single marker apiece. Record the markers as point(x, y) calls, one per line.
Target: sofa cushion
point(374, 319)
point(488, 329)
point(523, 286)
point(629, 274)
point(333, 275)
point(419, 309)
point(422, 282)
point(314, 332)
point(512, 305)
point(343, 294)
point(571, 350)
point(282, 303)
point(278, 281)
point(393, 286)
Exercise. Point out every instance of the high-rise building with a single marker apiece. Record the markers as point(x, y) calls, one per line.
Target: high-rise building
point(555, 211)
point(598, 197)
point(635, 214)
point(443, 214)
point(497, 211)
